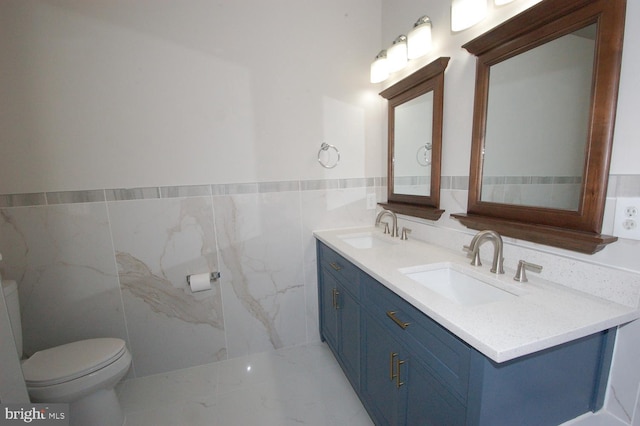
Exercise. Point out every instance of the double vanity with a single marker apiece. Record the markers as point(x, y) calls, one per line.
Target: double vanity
point(425, 338)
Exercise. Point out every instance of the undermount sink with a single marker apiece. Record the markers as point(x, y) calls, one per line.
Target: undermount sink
point(455, 285)
point(365, 240)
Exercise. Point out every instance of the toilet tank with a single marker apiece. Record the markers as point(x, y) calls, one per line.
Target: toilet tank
point(10, 289)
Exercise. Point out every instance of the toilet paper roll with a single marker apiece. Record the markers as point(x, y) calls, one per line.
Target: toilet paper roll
point(200, 282)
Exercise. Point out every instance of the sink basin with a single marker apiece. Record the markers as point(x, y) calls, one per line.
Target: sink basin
point(456, 286)
point(365, 240)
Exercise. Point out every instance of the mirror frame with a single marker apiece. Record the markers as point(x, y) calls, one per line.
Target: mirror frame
point(426, 79)
point(550, 19)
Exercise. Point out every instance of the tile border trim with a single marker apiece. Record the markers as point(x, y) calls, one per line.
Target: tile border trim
point(619, 186)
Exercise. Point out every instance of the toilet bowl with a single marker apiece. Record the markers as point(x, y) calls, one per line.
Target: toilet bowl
point(83, 373)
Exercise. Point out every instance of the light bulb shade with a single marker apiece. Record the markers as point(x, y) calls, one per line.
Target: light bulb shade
point(466, 13)
point(397, 54)
point(380, 68)
point(501, 2)
point(419, 38)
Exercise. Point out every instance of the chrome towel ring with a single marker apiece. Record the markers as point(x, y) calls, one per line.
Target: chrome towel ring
point(422, 156)
point(325, 147)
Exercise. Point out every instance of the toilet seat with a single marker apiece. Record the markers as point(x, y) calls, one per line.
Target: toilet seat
point(68, 362)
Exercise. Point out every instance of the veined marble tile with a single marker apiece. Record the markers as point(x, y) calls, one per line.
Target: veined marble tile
point(158, 243)
point(623, 383)
point(301, 385)
point(261, 264)
point(62, 258)
point(193, 384)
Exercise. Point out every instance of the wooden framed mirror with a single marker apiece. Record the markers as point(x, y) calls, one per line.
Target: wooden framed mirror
point(415, 142)
point(544, 112)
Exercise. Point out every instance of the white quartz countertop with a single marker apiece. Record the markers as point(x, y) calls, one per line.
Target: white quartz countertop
point(541, 315)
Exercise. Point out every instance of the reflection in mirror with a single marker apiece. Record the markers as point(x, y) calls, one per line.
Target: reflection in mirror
point(544, 112)
point(415, 142)
point(537, 123)
point(413, 145)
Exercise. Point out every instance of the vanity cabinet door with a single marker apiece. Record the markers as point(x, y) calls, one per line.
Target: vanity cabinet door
point(328, 315)
point(383, 374)
point(340, 311)
point(397, 387)
point(429, 403)
point(348, 312)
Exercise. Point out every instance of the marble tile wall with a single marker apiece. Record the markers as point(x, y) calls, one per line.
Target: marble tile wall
point(114, 263)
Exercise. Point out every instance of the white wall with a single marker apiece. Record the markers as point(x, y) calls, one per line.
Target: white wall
point(114, 94)
point(226, 102)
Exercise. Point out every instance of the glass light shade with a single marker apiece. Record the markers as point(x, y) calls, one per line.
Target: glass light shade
point(380, 68)
point(501, 2)
point(397, 54)
point(466, 13)
point(419, 38)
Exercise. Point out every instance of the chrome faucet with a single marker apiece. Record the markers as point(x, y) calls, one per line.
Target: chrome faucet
point(474, 248)
point(394, 225)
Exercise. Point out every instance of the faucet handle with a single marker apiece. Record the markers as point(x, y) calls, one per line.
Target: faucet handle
point(405, 233)
point(521, 275)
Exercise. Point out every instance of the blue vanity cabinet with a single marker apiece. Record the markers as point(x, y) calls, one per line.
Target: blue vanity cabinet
point(409, 370)
point(338, 291)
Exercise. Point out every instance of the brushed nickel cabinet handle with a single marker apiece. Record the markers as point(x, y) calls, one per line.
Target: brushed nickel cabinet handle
point(398, 364)
point(335, 266)
point(391, 372)
point(401, 324)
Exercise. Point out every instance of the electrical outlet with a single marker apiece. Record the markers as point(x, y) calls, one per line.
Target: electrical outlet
point(627, 218)
point(371, 201)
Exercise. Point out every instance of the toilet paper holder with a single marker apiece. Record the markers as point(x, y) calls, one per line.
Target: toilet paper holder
point(214, 276)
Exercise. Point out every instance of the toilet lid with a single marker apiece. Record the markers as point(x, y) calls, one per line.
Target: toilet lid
point(67, 362)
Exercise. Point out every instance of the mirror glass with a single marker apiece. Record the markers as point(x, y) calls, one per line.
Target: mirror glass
point(537, 124)
point(413, 145)
point(415, 141)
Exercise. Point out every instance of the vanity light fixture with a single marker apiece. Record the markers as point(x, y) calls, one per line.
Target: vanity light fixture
point(467, 13)
point(380, 68)
point(397, 54)
point(502, 2)
point(416, 44)
point(419, 38)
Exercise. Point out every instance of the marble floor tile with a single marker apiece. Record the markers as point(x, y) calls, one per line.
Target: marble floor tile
point(291, 386)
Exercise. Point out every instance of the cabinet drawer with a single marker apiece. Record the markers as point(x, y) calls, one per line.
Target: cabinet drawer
point(339, 267)
point(446, 356)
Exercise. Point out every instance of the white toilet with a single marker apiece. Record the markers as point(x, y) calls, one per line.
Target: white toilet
point(82, 374)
